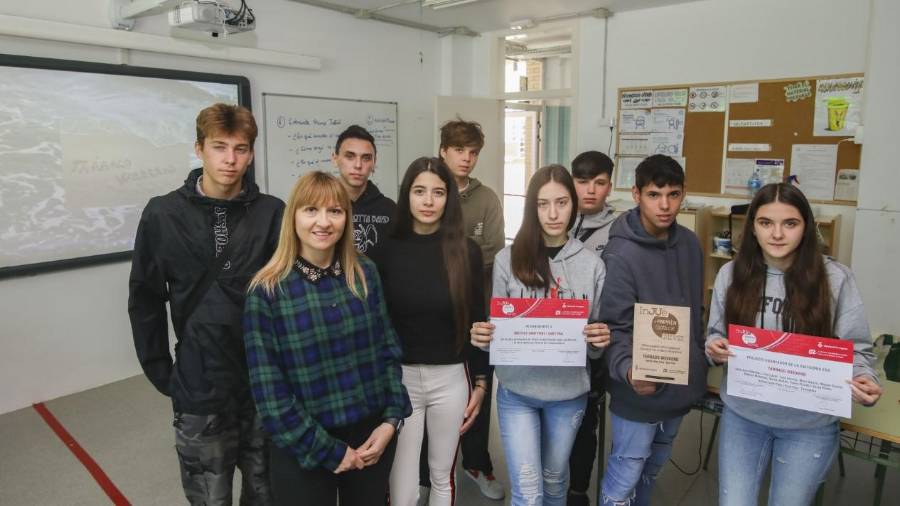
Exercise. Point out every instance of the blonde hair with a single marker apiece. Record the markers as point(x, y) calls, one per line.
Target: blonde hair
point(316, 189)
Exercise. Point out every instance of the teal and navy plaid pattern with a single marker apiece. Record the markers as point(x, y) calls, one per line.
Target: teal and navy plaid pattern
point(321, 358)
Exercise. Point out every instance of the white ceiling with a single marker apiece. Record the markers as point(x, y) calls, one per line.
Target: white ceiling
point(488, 15)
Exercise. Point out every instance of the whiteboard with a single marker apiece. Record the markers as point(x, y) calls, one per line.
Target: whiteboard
point(300, 133)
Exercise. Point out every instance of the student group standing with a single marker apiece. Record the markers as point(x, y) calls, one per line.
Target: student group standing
point(333, 346)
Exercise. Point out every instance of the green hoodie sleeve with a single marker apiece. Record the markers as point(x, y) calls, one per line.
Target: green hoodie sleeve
point(494, 235)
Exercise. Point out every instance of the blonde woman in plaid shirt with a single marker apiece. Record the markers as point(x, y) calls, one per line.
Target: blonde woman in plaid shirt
point(323, 357)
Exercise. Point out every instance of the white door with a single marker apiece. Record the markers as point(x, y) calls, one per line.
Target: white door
point(489, 114)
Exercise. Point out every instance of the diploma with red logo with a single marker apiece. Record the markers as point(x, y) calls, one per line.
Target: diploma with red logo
point(661, 343)
point(539, 331)
point(794, 370)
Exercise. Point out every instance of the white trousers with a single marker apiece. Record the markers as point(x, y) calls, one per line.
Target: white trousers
point(439, 394)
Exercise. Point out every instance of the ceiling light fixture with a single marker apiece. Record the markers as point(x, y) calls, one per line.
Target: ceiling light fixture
point(522, 24)
point(443, 4)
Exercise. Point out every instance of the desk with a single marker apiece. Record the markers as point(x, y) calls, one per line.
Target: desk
point(881, 421)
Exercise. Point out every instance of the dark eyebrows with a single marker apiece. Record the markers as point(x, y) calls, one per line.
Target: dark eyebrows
point(352, 154)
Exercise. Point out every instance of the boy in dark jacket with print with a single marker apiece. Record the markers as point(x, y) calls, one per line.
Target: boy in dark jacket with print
point(354, 156)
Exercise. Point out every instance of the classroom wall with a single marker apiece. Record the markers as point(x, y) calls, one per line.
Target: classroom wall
point(877, 238)
point(68, 331)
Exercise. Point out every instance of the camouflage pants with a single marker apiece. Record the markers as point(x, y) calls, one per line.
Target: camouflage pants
point(210, 446)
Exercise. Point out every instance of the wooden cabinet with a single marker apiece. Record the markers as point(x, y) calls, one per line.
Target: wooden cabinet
point(711, 221)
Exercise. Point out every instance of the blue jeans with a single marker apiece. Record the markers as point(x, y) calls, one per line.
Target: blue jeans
point(639, 451)
point(537, 438)
point(800, 459)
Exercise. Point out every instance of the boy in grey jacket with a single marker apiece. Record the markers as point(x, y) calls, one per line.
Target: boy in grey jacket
point(650, 259)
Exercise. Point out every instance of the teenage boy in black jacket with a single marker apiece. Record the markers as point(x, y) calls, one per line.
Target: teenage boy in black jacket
point(354, 156)
point(197, 248)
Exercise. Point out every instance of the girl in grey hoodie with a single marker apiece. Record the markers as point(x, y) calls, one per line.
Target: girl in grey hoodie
point(780, 281)
point(540, 408)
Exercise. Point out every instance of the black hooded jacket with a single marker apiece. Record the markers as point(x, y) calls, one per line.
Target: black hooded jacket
point(177, 242)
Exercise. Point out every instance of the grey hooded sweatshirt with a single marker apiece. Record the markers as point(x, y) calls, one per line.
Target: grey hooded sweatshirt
point(593, 229)
point(644, 269)
point(849, 323)
point(579, 274)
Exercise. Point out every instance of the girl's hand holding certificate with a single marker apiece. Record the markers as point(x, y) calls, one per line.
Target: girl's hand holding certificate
point(865, 390)
point(597, 335)
point(718, 351)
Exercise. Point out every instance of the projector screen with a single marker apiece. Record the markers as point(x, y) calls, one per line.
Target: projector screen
point(84, 146)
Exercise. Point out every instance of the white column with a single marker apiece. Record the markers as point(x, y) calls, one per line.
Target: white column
point(876, 241)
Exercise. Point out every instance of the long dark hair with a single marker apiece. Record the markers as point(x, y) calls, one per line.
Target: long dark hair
point(530, 261)
point(807, 305)
point(453, 238)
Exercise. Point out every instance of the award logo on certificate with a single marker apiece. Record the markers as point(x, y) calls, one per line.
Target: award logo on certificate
point(539, 331)
point(793, 370)
point(662, 337)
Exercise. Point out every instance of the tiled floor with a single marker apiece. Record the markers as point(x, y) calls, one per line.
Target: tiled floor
point(126, 428)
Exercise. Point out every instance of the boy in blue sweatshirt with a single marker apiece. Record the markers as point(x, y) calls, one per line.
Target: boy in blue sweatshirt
point(649, 259)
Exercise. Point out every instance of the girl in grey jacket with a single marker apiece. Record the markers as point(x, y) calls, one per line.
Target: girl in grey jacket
point(780, 281)
point(540, 408)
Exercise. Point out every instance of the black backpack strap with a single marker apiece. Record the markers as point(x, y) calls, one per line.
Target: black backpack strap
point(213, 271)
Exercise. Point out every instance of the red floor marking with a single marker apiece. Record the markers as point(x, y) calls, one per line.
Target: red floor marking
point(90, 464)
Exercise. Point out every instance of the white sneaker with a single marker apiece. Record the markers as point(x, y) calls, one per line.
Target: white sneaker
point(424, 492)
point(489, 486)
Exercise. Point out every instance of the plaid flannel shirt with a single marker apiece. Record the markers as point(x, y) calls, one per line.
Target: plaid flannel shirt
point(321, 358)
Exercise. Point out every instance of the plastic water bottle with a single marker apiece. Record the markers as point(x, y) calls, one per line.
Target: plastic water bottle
point(754, 183)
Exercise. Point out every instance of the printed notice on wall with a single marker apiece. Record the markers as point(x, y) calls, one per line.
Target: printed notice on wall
point(770, 170)
point(749, 123)
point(838, 106)
point(847, 185)
point(707, 99)
point(747, 93)
point(744, 147)
point(736, 174)
point(625, 166)
point(634, 144)
point(667, 120)
point(666, 143)
point(670, 98)
point(641, 99)
point(634, 120)
point(814, 166)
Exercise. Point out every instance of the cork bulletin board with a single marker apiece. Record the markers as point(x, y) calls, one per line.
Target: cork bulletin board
point(724, 132)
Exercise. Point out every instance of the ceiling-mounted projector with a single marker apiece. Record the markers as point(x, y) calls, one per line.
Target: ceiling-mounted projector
point(210, 16)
